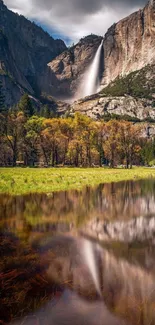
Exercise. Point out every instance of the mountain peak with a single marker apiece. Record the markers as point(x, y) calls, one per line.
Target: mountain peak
point(24, 55)
point(1, 3)
point(151, 3)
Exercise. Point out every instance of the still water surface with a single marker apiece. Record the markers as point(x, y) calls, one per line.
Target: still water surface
point(25, 220)
point(115, 201)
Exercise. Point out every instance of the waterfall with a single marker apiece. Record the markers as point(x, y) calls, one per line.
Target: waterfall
point(91, 80)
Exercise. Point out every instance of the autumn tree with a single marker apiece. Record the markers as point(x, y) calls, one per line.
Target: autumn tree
point(111, 143)
point(67, 131)
point(14, 133)
point(129, 142)
point(101, 135)
point(76, 141)
point(85, 133)
point(147, 151)
point(54, 140)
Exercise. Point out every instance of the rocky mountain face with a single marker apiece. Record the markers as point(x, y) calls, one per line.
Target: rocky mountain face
point(69, 67)
point(130, 96)
point(25, 50)
point(100, 107)
point(128, 46)
point(32, 61)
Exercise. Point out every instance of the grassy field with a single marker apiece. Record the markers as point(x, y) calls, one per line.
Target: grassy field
point(22, 181)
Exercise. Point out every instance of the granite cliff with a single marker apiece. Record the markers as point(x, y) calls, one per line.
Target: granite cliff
point(70, 66)
point(132, 96)
point(113, 107)
point(32, 61)
point(25, 50)
point(128, 46)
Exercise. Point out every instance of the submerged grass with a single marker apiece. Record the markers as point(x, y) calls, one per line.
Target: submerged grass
point(18, 181)
point(23, 285)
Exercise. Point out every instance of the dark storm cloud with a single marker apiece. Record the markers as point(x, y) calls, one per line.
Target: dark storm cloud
point(76, 18)
point(87, 6)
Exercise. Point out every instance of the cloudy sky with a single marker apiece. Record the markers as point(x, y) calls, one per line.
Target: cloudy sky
point(73, 19)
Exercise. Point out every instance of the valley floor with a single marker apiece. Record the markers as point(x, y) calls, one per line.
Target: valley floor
point(17, 181)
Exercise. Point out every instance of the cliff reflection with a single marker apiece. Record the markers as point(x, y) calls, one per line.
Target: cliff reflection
point(40, 212)
point(33, 272)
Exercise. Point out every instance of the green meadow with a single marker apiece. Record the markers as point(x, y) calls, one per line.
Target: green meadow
point(18, 181)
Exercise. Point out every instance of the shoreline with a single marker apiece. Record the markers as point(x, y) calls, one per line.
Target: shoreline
point(20, 181)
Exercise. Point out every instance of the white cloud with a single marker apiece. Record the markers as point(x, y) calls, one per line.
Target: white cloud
point(19, 6)
point(75, 18)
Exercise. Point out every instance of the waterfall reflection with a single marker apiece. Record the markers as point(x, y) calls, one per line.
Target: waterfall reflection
point(33, 272)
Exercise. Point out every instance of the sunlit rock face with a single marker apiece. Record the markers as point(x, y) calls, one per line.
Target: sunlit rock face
point(96, 107)
point(129, 45)
point(31, 60)
point(70, 66)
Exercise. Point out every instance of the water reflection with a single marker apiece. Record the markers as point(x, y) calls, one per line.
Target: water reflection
point(72, 309)
point(114, 201)
point(28, 279)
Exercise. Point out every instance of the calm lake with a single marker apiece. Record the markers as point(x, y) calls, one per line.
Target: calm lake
point(26, 220)
point(38, 212)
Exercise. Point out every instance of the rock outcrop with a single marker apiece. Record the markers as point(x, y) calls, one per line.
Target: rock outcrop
point(70, 66)
point(128, 46)
point(32, 61)
point(25, 50)
point(130, 96)
point(100, 107)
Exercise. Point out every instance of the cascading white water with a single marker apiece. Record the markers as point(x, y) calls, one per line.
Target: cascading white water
point(91, 80)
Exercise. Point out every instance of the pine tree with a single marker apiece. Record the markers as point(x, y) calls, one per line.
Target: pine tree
point(2, 99)
point(46, 111)
point(26, 106)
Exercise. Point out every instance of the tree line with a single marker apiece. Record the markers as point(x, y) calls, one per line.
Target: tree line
point(35, 138)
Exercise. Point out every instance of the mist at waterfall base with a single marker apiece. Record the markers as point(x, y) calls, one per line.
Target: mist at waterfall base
point(91, 81)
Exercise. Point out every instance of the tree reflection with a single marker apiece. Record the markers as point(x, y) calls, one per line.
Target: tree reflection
point(113, 201)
